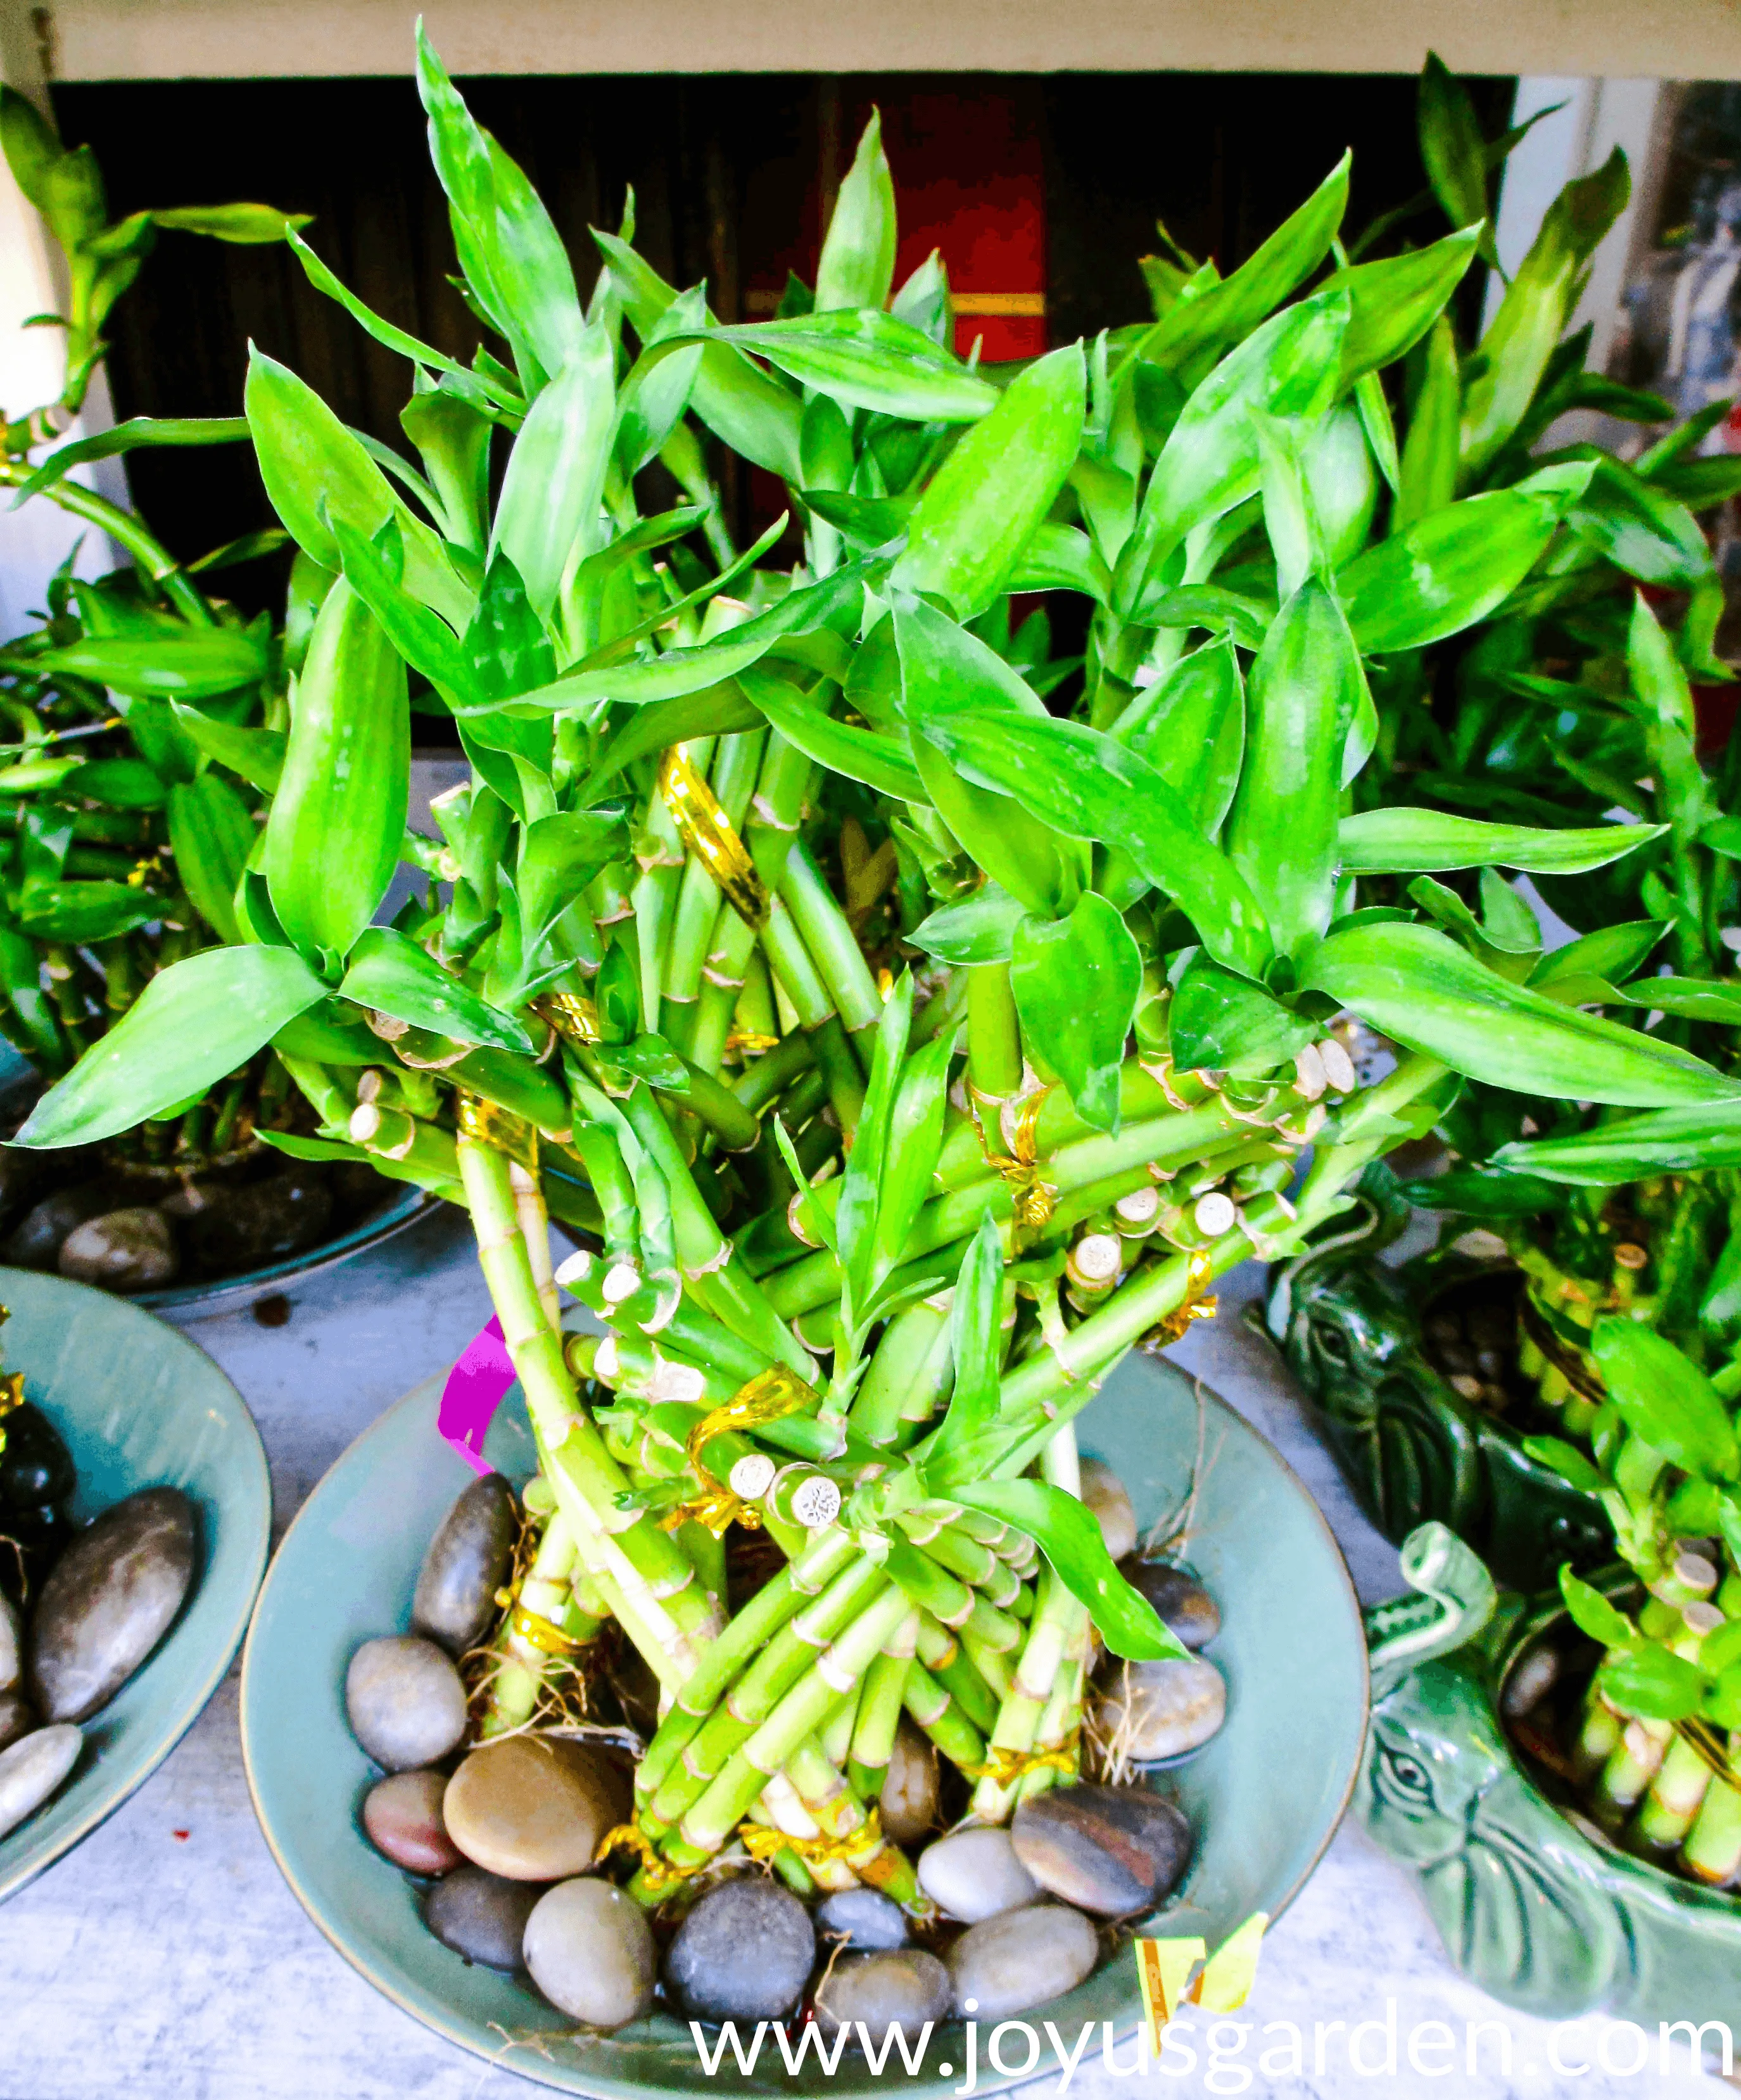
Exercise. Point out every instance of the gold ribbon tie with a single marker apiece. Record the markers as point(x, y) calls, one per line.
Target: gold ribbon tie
point(709, 835)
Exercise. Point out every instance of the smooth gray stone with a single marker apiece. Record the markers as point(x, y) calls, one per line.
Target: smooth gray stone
point(863, 1917)
point(1106, 1495)
point(32, 1768)
point(1150, 1710)
point(111, 1598)
point(909, 1799)
point(481, 1916)
point(1022, 1959)
point(11, 1645)
point(404, 1701)
point(17, 1717)
point(35, 1241)
point(1110, 1849)
point(1180, 1601)
point(129, 1250)
point(469, 1560)
point(975, 1874)
point(534, 1807)
point(745, 1952)
point(881, 1991)
point(589, 1949)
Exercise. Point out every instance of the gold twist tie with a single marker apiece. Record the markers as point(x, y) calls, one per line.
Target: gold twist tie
point(11, 1391)
point(657, 1873)
point(542, 1633)
point(1033, 1200)
point(709, 835)
point(1003, 1767)
point(761, 1842)
point(747, 1040)
point(1200, 1303)
point(483, 1122)
point(571, 1014)
point(767, 1397)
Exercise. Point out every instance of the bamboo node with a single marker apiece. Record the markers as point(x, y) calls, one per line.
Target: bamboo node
point(711, 835)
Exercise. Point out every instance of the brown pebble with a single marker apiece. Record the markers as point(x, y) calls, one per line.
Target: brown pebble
point(402, 1815)
point(532, 1808)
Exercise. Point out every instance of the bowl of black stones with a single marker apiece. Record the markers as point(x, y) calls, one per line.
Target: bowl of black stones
point(188, 1234)
point(460, 1836)
point(134, 1511)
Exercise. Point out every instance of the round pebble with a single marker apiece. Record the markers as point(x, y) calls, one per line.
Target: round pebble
point(875, 1992)
point(1180, 1601)
point(32, 1768)
point(1104, 1494)
point(1161, 1710)
point(863, 1917)
point(35, 1241)
point(11, 1645)
point(745, 1952)
point(589, 1949)
point(908, 1803)
point(1010, 1963)
point(1532, 1679)
point(402, 1815)
point(404, 1701)
point(469, 1559)
point(481, 1916)
point(112, 1596)
point(533, 1808)
point(17, 1717)
point(974, 1874)
point(131, 1249)
point(1109, 1850)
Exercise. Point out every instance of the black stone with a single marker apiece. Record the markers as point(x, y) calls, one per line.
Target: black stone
point(1181, 1602)
point(1110, 1850)
point(745, 1952)
point(113, 1594)
point(481, 1916)
point(469, 1559)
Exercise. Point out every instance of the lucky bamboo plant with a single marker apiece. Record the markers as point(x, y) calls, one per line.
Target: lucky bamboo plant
point(121, 847)
point(866, 1232)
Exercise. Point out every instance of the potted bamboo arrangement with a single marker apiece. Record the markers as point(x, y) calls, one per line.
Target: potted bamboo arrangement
point(145, 719)
point(905, 1047)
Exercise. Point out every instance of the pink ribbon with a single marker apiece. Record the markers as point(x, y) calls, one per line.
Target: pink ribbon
point(474, 1390)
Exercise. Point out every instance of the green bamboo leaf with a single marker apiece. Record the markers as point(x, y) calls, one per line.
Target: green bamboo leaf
point(1209, 464)
point(555, 480)
point(1190, 726)
point(977, 1347)
point(1474, 1192)
point(1428, 467)
point(195, 664)
point(1394, 303)
point(1408, 842)
point(1639, 527)
point(256, 755)
point(29, 144)
point(1695, 1141)
point(211, 834)
point(1233, 615)
point(1305, 688)
point(856, 754)
point(1076, 982)
point(657, 390)
point(80, 912)
point(1452, 150)
point(1610, 952)
point(122, 783)
point(1222, 1023)
point(392, 975)
point(754, 415)
point(1061, 557)
point(332, 838)
point(1424, 990)
point(1526, 331)
point(244, 225)
point(137, 431)
point(682, 671)
point(425, 640)
point(1692, 998)
point(982, 929)
point(945, 672)
point(989, 497)
point(559, 855)
point(856, 1212)
point(715, 711)
point(512, 255)
point(857, 264)
point(910, 1152)
point(193, 1024)
point(869, 360)
point(1193, 335)
point(1665, 1399)
point(1652, 1681)
point(1591, 1612)
point(1068, 1535)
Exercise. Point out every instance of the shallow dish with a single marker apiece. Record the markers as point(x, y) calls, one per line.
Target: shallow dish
point(140, 1406)
point(1264, 1796)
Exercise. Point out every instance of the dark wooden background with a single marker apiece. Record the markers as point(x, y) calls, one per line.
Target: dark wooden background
point(727, 171)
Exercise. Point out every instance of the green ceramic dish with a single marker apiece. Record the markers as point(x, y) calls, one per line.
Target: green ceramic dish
point(139, 1407)
point(1264, 1796)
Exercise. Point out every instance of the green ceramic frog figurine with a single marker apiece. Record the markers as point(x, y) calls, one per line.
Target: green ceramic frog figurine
point(1541, 1915)
point(1411, 1447)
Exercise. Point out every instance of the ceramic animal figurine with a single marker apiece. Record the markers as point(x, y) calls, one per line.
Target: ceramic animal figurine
point(1411, 1448)
point(1537, 1908)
